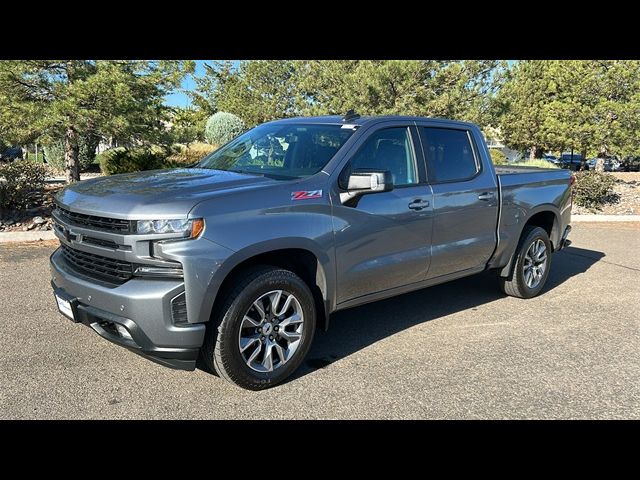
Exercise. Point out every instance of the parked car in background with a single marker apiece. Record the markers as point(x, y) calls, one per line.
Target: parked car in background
point(572, 161)
point(630, 164)
point(11, 153)
point(551, 158)
point(611, 164)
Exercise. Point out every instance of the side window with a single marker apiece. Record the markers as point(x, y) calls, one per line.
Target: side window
point(388, 149)
point(449, 154)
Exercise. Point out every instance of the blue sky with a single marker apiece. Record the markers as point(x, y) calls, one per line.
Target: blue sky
point(179, 98)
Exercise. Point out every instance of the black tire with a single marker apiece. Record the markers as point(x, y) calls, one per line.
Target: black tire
point(221, 352)
point(515, 285)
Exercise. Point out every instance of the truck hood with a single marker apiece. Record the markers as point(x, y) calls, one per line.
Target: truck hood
point(157, 194)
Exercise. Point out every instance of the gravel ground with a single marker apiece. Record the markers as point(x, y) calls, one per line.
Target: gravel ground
point(627, 191)
point(455, 351)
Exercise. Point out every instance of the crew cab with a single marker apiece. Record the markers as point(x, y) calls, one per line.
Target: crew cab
point(237, 260)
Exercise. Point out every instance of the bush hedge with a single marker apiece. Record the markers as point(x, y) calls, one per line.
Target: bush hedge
point(593, 189)
point(126, 160)
point(189, 155)
point(18, 181)
point(498, 157)
point(223, 127)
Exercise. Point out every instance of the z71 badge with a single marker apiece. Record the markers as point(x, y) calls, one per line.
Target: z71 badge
point(306, 194)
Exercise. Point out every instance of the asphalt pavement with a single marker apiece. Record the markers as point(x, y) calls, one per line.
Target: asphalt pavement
point(461, 350)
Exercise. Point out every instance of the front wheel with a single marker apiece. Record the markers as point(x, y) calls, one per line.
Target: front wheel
point(265, 330)
point(532, 263)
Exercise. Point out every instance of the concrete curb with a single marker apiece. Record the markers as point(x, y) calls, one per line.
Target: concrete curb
point(10, 237)
point(604, 218)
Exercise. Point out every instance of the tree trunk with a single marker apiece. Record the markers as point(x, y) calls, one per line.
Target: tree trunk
point(532, 153)
point(583, 163)
point(71, 164)
point(600, 161)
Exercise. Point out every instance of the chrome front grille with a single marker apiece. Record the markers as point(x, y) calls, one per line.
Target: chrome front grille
point(93, 221)
point(97, 266)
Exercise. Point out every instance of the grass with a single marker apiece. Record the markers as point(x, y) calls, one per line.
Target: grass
point(538, 163)
point(32, 156)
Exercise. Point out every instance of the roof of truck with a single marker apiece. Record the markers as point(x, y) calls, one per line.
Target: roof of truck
point(364, 120)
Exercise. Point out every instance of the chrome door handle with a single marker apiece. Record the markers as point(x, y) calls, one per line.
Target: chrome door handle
point(418, 204)
point(485, 196)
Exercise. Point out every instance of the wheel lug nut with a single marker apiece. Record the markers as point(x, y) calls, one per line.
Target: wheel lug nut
point(270, 337)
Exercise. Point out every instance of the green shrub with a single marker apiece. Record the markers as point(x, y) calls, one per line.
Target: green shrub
point(223, 127)
point(593, 189)
point(54, 153)
point(536, 162)
point(125, 160)
point(18, 181)
point(188, 155)
point(498, 157)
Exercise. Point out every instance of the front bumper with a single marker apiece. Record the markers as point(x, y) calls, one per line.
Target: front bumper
point(142, 306)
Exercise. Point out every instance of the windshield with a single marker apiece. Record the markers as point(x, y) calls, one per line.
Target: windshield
point(280, 151)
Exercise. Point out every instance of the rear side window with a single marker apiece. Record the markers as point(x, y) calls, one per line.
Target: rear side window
point(449, 154)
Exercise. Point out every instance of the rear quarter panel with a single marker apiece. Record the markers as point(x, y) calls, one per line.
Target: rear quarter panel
point(524, 193)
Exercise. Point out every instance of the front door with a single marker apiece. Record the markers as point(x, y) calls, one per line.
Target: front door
point(383, 239)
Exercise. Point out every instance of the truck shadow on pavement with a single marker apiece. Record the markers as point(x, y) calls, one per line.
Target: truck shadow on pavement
point(354, 329)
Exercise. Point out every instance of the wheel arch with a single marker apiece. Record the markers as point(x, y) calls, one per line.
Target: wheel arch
point(302, 256)
point(547, 217)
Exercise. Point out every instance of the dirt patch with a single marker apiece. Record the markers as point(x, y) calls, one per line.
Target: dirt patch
point(624, 201)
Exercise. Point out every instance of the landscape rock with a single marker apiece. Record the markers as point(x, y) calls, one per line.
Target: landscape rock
point(39, 220)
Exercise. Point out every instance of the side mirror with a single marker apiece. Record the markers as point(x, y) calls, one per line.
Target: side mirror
point(363, 181)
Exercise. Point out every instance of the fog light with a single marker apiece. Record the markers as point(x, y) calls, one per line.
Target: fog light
point(123, 332)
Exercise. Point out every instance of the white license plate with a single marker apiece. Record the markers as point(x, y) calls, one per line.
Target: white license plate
point(65, 307)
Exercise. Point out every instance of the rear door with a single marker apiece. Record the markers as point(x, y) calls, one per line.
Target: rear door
point(465, 200)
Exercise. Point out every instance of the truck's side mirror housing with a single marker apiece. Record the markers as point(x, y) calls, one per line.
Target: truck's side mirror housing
point(363, 181)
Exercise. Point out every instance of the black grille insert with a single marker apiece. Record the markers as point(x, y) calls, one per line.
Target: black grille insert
point(179, 309)
point(97, 266)
point(92, 221)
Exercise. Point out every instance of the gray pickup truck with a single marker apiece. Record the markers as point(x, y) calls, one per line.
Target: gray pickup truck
point(233, 263)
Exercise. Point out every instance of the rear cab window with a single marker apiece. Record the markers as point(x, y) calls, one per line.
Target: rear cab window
point(449, 154)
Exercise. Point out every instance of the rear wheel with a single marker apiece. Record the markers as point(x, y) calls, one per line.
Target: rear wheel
point(532, 263)
point(264, 329)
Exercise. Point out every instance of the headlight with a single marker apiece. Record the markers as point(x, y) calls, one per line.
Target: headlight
point(188, 228)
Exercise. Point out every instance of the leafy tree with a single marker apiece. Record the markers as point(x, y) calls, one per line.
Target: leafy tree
point(257, 90)
point(187, 125)
point(53, 99)
point(528, 87)
point(451, 89)
point(592, 106)
point(263, 90)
